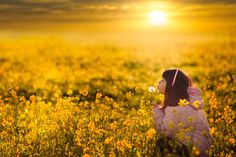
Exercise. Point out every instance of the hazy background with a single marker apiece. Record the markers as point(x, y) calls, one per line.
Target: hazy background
point(118, 21)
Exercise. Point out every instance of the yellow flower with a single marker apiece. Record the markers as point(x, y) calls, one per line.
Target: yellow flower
point(14, 94)
point(129, 94)
point(196, 104)
point(213, 130)
point(69, 92)
point(113, 125)
point(98, 95)
point(211, 120)
point(196, 151)
point(183, 102)
point(232, 140)
point(56, 94)
point(84, 92)
point(213, 102)
point(91, 125)
point(108, 140)
point(99, 82)
point(112, 154)
point(22, 98)
point(86, 149)
point(123, 144)
point(33, 98)
point(108, 99)
point(86, 155)
point(150, 133)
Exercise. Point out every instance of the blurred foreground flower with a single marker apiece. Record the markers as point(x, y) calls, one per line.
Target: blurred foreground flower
point(183, 102)
point(150, 133)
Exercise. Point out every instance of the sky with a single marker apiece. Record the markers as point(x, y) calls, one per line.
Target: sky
point(117, 15)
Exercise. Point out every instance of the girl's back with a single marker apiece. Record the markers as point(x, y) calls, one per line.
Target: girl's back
point(186, 123)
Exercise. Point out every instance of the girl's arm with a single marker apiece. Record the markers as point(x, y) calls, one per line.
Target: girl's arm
point(158, 117)
point(164, 123)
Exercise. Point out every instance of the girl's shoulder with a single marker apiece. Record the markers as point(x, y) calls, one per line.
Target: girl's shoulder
point(194, 91)
point(195, 99)
point(179, 109)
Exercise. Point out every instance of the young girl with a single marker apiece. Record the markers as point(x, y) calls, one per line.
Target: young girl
point(181, 117)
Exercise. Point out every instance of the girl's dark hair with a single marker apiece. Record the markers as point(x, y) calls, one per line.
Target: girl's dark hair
point(179, 89)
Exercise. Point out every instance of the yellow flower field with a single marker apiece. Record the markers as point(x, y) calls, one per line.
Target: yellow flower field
point(64, 99)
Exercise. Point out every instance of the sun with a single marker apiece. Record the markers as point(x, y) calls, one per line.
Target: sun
point(157, 17)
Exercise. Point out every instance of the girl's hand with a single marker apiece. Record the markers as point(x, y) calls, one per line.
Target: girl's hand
point(159, 106)
point(154, 106)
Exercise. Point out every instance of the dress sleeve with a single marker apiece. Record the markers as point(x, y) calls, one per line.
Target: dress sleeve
point(158, 117)
point(164, 122)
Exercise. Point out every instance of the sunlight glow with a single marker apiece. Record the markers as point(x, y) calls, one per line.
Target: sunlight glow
point(157, 17)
